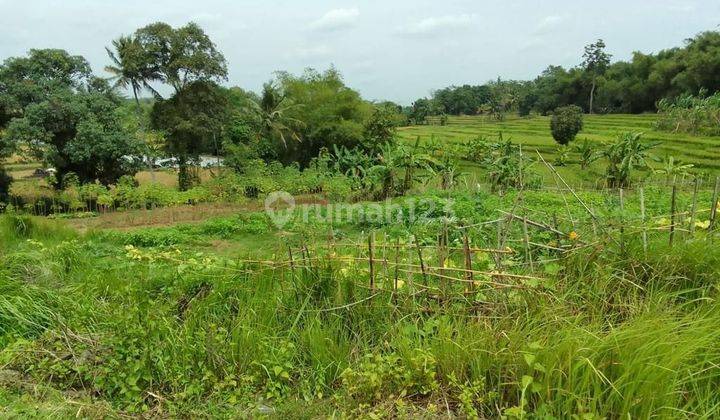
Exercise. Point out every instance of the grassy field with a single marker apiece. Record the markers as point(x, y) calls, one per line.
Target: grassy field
point(212, 319)
point(443, 303)
point(534, 134)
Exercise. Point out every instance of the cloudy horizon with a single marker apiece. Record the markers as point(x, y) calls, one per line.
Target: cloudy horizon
point(397, 51)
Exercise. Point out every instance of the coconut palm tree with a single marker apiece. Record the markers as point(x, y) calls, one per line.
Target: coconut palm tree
point(273, 110)
point(130, 71)
point(128, 68)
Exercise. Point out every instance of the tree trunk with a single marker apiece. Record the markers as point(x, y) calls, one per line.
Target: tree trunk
point(142, 132)
point(592, 96)
point(184, 175)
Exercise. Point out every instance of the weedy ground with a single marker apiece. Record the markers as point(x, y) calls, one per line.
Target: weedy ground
point(164, 322)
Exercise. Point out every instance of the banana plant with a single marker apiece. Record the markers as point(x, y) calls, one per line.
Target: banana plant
point(672, 168)
point(624, 155)
point(587, 153)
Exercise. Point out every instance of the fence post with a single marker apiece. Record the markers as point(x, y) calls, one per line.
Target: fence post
point(370, 256)
point(397, 263)
point(642, 219)
point(694, 207)
point(422, 263)
point(622, 221)
point(713, 209)
point(498, 255)
point(673, 203)
point(468, 260)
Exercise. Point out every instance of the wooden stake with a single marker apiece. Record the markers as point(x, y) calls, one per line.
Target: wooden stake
point(422, 263)
point(673, 203)
point(622, 221)
point(498, 256)
point(642, 218)
point(694, 207)
point(468, 259)
point(370, 256)
point(714, 208)
point(397, 263)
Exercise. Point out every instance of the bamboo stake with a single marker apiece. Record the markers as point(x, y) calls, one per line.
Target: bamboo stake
point(642, 217)
point(397, 261)
point(673, 203)
point(370, 257)
point(422, 263)
point(694, 207)
point(714, 208)
point(622, 222)
point(468, 259)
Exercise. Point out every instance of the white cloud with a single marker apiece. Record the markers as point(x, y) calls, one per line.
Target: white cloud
point(336, 19)
point(434, 25)
point(548, 23)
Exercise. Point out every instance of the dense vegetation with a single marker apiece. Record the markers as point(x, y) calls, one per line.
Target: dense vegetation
point(157, 321)
point(499, 265)
point(620, 87)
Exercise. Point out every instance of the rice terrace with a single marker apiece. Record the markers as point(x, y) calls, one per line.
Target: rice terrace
point(539, 247)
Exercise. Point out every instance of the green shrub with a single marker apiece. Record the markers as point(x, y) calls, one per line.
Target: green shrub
point(690, 114)
point(566, 123)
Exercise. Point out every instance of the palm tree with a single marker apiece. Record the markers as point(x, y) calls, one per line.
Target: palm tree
point(273, 110)
point(130, 70)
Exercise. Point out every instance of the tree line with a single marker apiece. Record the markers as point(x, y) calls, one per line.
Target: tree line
point(596, 84)
point(54, 109)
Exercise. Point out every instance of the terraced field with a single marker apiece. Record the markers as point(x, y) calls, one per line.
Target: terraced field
point(534, 133)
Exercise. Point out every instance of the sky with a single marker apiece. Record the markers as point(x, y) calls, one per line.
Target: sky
point(388, 50)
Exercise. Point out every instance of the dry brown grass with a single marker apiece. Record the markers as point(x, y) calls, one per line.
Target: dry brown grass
point(168, 216)
point(168, 177)
point(165, 216)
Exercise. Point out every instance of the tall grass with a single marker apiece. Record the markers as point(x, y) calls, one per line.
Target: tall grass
point(615, 335)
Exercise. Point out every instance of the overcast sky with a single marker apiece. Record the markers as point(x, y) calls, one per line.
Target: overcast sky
point(391, 49)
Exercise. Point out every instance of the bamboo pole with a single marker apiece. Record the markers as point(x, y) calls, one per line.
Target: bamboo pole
point(622, 221)
point(468, 259)
point(642, 217)
point(694, 207)
point(673, 203)
point(370, 258)
point(422, 263)
point(714, 208)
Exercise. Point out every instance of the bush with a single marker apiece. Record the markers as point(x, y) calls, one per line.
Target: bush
point(566, 123)
point(690, 114)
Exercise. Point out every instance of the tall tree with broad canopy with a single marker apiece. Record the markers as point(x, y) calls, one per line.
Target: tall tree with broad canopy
point(63, 115)
point(191, 119)
point(595, 63)
point(331, 114)
point(179, 56)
